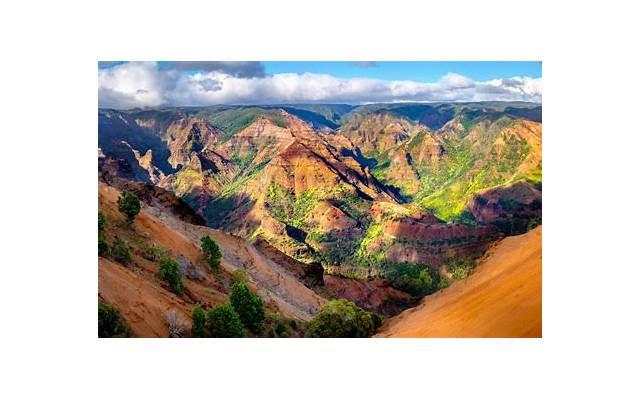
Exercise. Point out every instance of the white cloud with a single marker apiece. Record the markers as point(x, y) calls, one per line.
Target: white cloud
point(144, 84)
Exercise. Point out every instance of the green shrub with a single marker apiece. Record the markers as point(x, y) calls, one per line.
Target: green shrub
point(120, 252)
point(415, 279)
point(110, 322)
point(169, 271)
point(199, 320)
point(240, 276)
point(342, 319)
point(129, 205)
point(154, 252)
point(248, 305)
point(103, 246)
point(224, 322)
point(211, 252)
point(460, 269)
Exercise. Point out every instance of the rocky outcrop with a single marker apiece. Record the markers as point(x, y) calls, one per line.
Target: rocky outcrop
point(375, 294)
point(514, 208)
point(377, 132)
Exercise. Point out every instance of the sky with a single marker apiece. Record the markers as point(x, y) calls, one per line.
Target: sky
point(149, 84)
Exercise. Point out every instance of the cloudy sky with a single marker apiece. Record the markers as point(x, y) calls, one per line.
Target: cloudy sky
point(125, 85)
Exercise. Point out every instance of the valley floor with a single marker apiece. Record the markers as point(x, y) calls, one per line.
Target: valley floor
point(502, 298)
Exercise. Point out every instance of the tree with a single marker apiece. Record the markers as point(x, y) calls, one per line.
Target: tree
point(199, 320)
point(129, 205)
point(169, 270)
point(248, 305)
point(415, 279)
point(211, 252)
point(103, 246)
point(342, 319)
point(120, 252)
point(110, 323)
point(224, 322)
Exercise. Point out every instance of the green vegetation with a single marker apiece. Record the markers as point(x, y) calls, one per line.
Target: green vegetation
point(169, 271)
point(277, 326)
point(248, 306)
point(103, 246)
point(224, 322)
point(232, 120)
point(243, 161)
point(185, 180)
point(285, 207)
point(154, 252)
point(199, 319)
point(110, 322)
point(120, 252)
point(415, 279)
point(129, 205)
point(240, 276)
point(447, 187)
point(211, 252)
point(460, 269)
point(342, 319)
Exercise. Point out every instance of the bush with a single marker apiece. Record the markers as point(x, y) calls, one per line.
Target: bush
point(211, 252)
point(129, 205)
point(248, 305)
point(460, 269)
point(120, 252)
point(176, 323)
point(103, 246)
point(169, 271)
point(110, 322)
point(224, 322)
point(415, 279)
point(199, 319)
point(240, 276)
point(342, 319)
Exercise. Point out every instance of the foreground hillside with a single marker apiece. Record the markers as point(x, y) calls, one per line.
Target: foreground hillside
point(143, 299)
point(502, 298)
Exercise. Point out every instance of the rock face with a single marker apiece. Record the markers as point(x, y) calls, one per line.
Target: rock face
point(514, 209)
point(402, 235)
point(377, 132)
point(375, 294)
point(188, 137)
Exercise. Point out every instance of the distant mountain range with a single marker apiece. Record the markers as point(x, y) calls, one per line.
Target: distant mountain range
point(364, 191)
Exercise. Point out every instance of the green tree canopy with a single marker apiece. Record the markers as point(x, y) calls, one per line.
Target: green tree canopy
point(169, 270)
point(224, 322)
point(248, 305)
point(103, 246)
point(120, 252)
point(211, 252)
point(129, 205)
point(342, 319)
point(199, 319)
point(110, 322)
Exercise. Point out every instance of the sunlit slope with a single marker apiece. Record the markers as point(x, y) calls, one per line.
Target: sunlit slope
point(502, 298)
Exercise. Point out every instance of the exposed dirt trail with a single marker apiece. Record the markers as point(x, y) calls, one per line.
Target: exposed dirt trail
point(502, 298)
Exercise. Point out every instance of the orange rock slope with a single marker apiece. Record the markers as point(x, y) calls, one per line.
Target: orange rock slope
point(502, 298)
